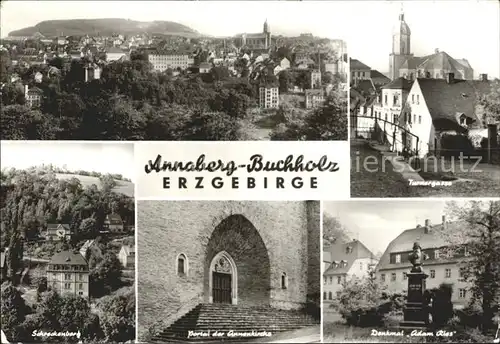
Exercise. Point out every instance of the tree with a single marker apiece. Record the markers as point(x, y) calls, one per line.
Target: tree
point(333, 230)
point(107, 182)
point(286, 81)
point(13, 311)
point(19, 122)
point(118, 322)
point(15, 256)
point(13, 94)
point(106, 276)
point(88, 227)
point(212, 126)
point(479, 233)
point(491, 103)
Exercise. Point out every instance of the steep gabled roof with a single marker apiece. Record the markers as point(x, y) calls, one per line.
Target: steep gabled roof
point(399, 84)
point(56, 226)
point(357, 64)
point(339, 253)
point(447, 100)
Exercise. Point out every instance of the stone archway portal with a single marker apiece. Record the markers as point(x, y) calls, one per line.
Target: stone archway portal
point(223, 279)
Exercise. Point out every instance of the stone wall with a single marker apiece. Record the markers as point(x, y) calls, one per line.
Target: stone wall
point(167, 229)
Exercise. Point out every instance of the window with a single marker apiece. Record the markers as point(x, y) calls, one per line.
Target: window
point(80, 286)
point(80, 277)
point(414, 118)
point(339, 280)
point(67, 277)
point(80, 293)
point(433, 273)
point(466, 252)
point(437, 254)
point(330, 295)
point(382, 277)
point(324, 280)
point(395, 100)
point(413, 99)
point(386, 117)
point(284, 281)
point(462, 293)
point(324, 295)
point(447, 273)
point(361, 266)
point(331, 279)
point(67, 285)
point(404, 276)
point(385, 99)
point(182, 265)
point(461, 272)
point(393, 276)
point(418, 98)
point(348, 249)
point(398, 258)
point(395, 118)
point(419, 119)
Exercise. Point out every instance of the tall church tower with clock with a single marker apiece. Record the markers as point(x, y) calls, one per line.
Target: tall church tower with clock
point(401, 46)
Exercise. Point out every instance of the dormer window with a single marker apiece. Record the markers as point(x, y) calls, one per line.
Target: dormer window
point(348, 249)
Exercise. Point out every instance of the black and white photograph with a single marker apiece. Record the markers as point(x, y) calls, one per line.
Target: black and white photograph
point(411, 271)
point(227, 271)
point(424, 99)
point(68, 243)
point(175, 70)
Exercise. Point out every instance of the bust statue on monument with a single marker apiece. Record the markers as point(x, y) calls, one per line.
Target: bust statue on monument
point(416, 258)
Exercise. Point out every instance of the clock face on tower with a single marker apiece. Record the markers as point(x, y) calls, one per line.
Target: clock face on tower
point(60, 232)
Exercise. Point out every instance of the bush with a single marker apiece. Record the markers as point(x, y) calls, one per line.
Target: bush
point(470, 316)
point(453, 145)
point(442, 307)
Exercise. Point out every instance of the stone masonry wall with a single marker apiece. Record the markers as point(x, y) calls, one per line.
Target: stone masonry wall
point(168, 228)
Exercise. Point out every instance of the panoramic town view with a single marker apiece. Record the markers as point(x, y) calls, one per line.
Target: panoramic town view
point(124, 79)
point(431, 269)
point(68, 245)
point(424, 118)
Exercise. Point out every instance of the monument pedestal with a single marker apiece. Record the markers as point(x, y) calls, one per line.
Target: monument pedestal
point(415, 312)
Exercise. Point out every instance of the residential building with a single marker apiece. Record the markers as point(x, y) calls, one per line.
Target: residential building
point(438, 264)
point(402, 63)
point(113, 223)
point(284, 63)
point(114, 54)
point(162, 61)
point(68, 273)
point(388, 106)
point(314, 98)
point(359, 71)
point(92, 72)
point(268, 97)
point(33, 96)
point(205, 67)
point(378, 78)
point(127, 256)
point(348, 260)
point(56, 232)
point(315, 79)
point(438, 106)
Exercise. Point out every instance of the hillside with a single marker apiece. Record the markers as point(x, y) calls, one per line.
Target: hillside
point(106, 27)
point(123, 187)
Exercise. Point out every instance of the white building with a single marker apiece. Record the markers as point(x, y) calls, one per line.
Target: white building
point(348, 260)
point(268, 97)
point(163, 61)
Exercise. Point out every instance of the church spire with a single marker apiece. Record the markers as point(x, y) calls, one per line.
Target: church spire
point(402, 13)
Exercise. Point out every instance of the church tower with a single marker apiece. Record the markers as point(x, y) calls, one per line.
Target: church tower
point(267, 33)
point(401, 47)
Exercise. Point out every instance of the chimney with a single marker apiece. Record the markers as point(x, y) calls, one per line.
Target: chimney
point(483, 77)
point(427, 226)
point(450, 78)
point(436, 50)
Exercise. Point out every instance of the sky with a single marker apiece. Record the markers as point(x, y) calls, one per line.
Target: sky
point(376, 223)
point(463, 28)
point(89, 156)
